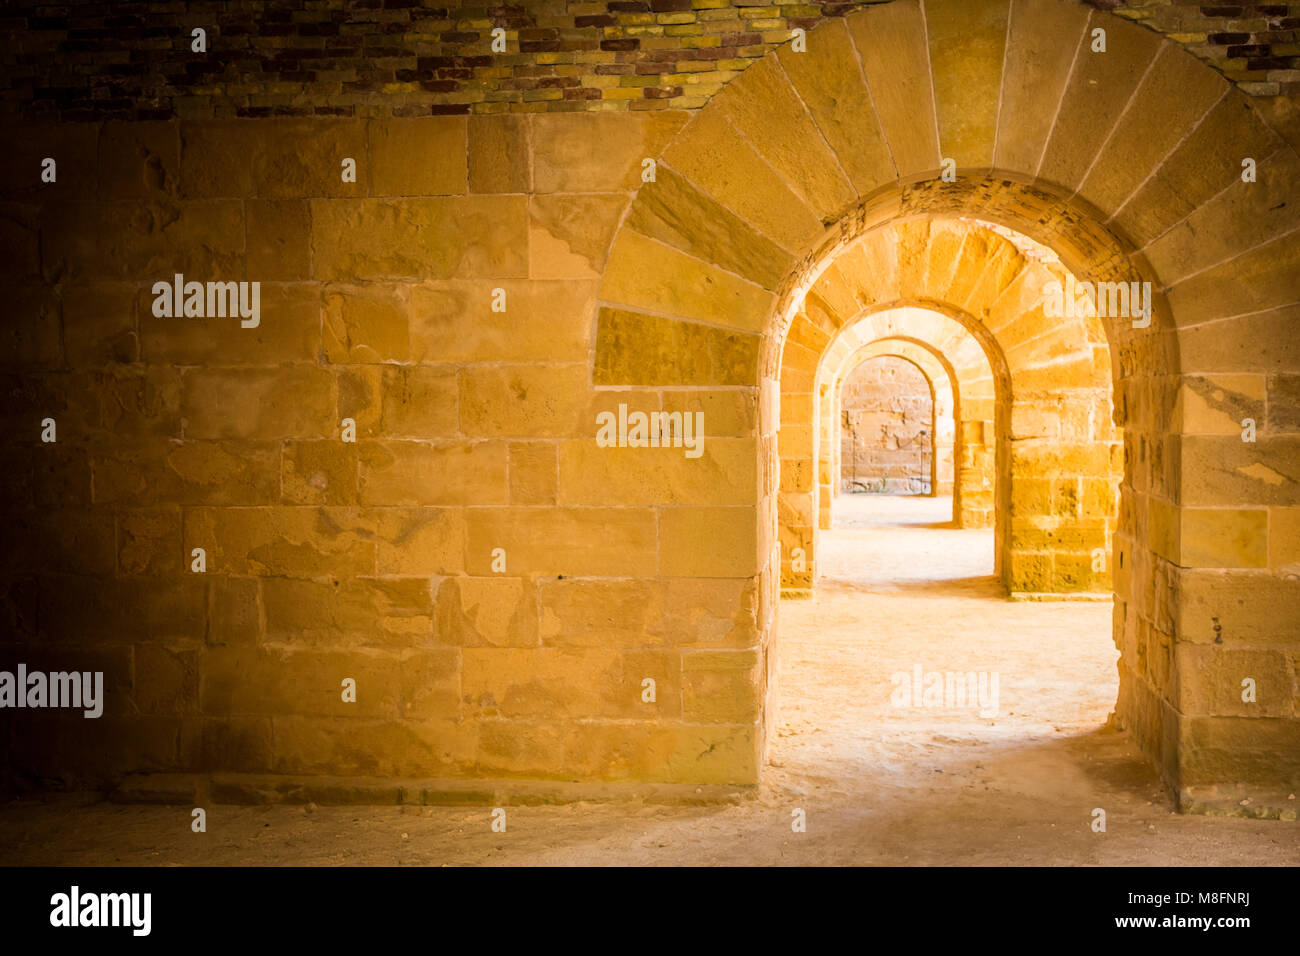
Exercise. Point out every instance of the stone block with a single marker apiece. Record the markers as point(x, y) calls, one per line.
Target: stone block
point(564, 160)
point(591, 475)
point(711, 154)
point(647, 275)
point(569, 235)
point(421, 238)
point(487, 612)
point(420, 541)
point(188, 473)
point(633, 348)
point(892, 45)
point(595, 542)
point(830, 84)
point(420, 473)
point(525, 401)
point(967, 40)
point(499, 159)
point(544, 321)
point(534, 473)
point(425, 156)
point(288, 402)
point(708, 542)
point(297, 542)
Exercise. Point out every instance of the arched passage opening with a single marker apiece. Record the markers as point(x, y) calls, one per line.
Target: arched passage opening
point(889, 426)
point(1038, 451)
point(956, 402)
point(886, 429)
point(808, 153)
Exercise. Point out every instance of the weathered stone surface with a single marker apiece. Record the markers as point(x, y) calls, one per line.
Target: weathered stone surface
point(1242, 216)
point(149, 542)
point(1173, 98)
point(289, 541)
point(420, 473)
point(486, 612)
point(289, 330)
point(289, 402)
point(645, 274)
point(721, 686)
point(447, 238)
point(148, 241)
point(524, 401)
point(967, 39)
point(33, 328)
point(678, 213)
point(1042, 39)
point(393, 748)
point(1206, 162)
point(499, 159)
point(268, 159)
point(318, 473)
point(366, 323)
point(637, 349)
point(188, 473)
point(712, 155)
point(417, 157)
point(234, 610)
point(829, 81)
point(278, 239)
point(75, 147)
point(1222, 538)
point(107, 611)
point(891, 42)
point(99, 325)
point(1099, 87)
point(597, 542)
point(569, 235)
point(708, 542)
point(355, 612)
point(419, 402)
point(546, 321)
point(591, 475)
point(766, 110)
point(420, 541)
point(600, 613)
point(1224, 470)
point(534, 473)
point(567, 160)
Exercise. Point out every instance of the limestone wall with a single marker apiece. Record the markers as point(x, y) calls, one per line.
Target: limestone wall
point(186, 510)
point(498, 586)
point(887, 429)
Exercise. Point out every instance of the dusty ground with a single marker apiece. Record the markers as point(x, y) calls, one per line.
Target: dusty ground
point(880, 784)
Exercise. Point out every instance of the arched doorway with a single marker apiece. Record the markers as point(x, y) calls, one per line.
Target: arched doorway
point(888, 430)
point(805, 154)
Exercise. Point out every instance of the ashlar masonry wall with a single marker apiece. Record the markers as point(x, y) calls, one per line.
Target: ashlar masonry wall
point(393, 479)
point(377, 537)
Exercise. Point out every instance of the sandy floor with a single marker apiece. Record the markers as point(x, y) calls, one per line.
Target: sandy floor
point(879, 783)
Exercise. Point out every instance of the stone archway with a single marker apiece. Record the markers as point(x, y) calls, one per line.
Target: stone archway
point(944, 409)
point(806, 152)
point(1044, 382)
point(969, 475)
